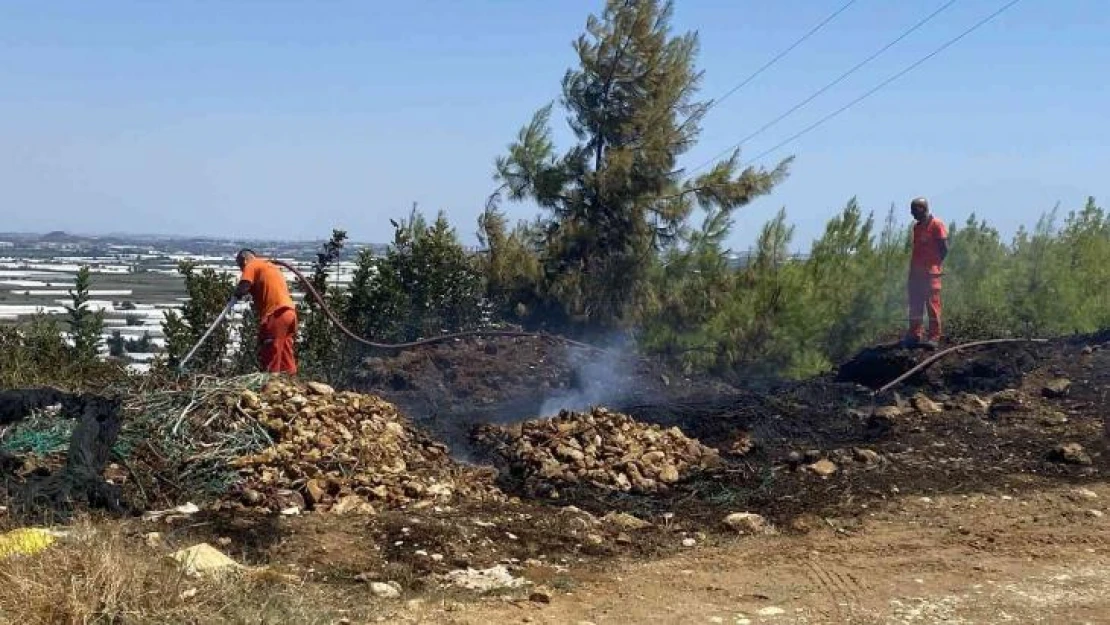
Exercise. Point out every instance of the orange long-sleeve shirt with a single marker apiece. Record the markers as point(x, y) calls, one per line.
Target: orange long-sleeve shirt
point(269, 290)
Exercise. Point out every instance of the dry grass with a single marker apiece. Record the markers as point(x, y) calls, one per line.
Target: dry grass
point(100, 575)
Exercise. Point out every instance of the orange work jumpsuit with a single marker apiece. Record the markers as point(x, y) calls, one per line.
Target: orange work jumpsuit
point(924, 280)
point(277, 316)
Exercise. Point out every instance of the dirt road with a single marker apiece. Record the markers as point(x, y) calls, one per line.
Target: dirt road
point(1013, 556)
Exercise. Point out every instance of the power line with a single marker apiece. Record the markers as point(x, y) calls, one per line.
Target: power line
point(886, 82)
point(780, 55)
point(832, 84)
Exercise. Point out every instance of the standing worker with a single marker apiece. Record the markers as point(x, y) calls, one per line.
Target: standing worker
point(277, 314)
point(930, 247)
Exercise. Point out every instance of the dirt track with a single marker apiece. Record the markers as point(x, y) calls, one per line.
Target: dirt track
point(1028, 557)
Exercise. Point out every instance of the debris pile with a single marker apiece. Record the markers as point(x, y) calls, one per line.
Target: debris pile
point(601, 448)
point(345, 452)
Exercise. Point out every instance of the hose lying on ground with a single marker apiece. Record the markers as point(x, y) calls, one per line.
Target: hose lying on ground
point(428, 341)
point(935, 357)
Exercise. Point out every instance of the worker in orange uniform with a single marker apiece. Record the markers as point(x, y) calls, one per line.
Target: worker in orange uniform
point(930, 248)
point(277, 314)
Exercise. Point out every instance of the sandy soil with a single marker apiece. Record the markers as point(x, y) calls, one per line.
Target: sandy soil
point(1040, 556)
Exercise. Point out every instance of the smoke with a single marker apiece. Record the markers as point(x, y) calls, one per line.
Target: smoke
point(599, 378)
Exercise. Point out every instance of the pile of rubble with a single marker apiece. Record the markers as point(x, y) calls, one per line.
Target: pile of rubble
point(601, 448)
point(346, 452)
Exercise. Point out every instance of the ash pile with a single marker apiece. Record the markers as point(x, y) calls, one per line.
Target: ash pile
point(601, 449)
point(345, 452)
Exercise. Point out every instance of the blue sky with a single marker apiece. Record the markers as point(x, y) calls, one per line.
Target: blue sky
point(286, 118)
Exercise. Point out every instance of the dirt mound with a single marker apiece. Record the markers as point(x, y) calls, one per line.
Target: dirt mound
point(603, 449)
point(346, 452)
point(486, 377)
point(988, 368)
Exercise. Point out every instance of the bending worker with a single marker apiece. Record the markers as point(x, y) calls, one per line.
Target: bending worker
point(930, 248)
point(277, 314)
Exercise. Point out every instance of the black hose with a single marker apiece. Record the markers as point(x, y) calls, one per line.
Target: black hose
point(428, 341)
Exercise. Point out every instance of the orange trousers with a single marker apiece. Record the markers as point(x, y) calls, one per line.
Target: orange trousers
point(924, 298)
point(276, 335)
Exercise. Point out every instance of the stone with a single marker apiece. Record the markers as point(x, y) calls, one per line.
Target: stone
point(484, 580)
point(250, 400)
point(973, 404)
point(1007, 401)
point(1070, 453)
point(867, 456)
point(540, 595)
point(669, 474)
point(353, 504)
point(924, 405)
point(204, 559)
point(1057, 388)
point(626, 521)
point(383, 590)
point(1086, 493)
point(315, 491)
point(887, 412)
point(1096, 514)
point(772, 611)
point(823, 468)
point(812, 455)
point(748, 523)
point(154, 540)
point(689, 542)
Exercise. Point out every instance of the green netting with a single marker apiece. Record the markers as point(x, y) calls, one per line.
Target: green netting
point(40, 435)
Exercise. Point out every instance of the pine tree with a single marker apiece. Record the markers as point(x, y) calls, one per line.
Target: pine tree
point(85, 326)
point(617, 197)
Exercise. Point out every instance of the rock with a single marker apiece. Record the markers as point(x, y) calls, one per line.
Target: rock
point(669, 474)
point(1053, 417)
point(924, 405)
point(1097, 514)
point(867, 456)
point(887, 412)
point(772, 611)
point(594, 539)
point(352, 504)
point(383, 590)
point(689, 542)
point(494, 578)
point(154, 540)
point(812, 455)
point(1007, 401)
point(540, 595)
point(1056, 389)
point(250, 399)
point(315, 491)
point(748, 523)
point(1086, 493)
point(252, 497)
point(204, 559)
point(1070, 453)
point(973, 404)
point(823, 468)
point(626, 521)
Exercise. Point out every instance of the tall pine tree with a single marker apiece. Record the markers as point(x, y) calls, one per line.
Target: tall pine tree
point(617, 197)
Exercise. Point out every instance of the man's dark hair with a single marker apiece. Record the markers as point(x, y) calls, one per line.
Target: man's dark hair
point(243, 252)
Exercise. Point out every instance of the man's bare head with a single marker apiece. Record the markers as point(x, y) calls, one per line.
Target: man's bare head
point(919, 208)
point(244, 256)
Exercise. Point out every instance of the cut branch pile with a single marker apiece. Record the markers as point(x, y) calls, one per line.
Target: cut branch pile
point(603, 449)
